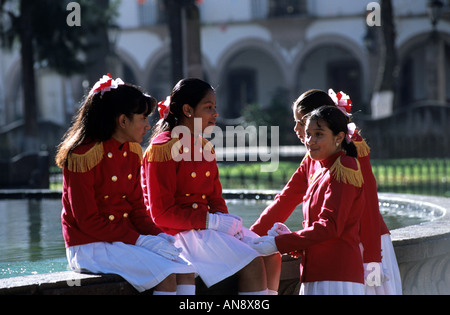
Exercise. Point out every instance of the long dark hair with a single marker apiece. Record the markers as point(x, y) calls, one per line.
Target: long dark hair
point(337, 122)
point(96, 118)
point(187, 91)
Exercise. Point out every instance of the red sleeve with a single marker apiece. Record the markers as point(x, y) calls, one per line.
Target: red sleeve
point(215, 199)
point(371, 218)
point(81, 196)
point(139, 216)
point(160, 180)
point(284, 203)
point(334, 213)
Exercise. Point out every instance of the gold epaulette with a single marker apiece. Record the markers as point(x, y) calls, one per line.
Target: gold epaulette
point(347, 175)
point(304, 158)
point(362, 148)
point(81, 163)
point(207, 145)
point(137, 149)
point(163, 152)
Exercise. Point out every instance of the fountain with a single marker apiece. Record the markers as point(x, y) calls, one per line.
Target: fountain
point(421, 243)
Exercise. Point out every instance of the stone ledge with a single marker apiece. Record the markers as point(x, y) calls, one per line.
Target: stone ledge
point(72, 283)
point(66, 283)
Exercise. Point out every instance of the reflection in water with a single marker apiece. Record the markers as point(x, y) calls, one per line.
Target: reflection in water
point(34, 230)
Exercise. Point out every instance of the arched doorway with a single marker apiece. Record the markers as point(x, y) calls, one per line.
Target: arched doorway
point(249, 76)
point(424, 71)
point(332, 66)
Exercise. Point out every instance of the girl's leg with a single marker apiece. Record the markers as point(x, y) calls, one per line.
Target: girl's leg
point(273, 271)
point(252, 278)
point(186, 284)
point(167, 287)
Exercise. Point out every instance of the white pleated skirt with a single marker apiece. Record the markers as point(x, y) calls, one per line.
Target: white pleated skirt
point(140, 267)
point(331, 288)
point(215, 255)
point(393, 286)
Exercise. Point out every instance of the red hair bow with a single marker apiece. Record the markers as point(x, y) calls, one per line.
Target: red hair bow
point(105, 84)
point(342, 101)
point(164, 108)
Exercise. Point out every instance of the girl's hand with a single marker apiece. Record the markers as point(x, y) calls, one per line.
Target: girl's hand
point(226, 223)
point(278, 229)
point(159, 245)
point(264, 245)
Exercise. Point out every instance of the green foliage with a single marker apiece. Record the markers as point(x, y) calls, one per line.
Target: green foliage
point(278, 113)
point(57, 45)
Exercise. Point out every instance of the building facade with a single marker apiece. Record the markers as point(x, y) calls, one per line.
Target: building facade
point(254, 50)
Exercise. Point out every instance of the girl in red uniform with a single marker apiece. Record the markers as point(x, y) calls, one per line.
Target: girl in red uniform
point(105, 224)
point(332, 209)
point(183, 193)
point(371, 221)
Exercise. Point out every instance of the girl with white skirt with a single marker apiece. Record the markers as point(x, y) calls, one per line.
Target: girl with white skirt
point(105, 224)
point(183, 194)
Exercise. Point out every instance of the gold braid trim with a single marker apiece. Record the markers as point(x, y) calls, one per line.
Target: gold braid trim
point(163, 152)
point(137, 149)
point(347, 175)
point(81, 163)
point(362, 148)
point(207, 145)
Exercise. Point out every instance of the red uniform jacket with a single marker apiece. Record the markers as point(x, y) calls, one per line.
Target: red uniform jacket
point(102, 196)
point(372, 223)
point(332, 208)
point(180, 182)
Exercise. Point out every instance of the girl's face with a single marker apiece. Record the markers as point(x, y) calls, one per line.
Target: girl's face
point(320, 141)
point(132, 130)
point(206, 110)
point(299, 127)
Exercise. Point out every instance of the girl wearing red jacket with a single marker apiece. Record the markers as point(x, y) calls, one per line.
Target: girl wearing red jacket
point(372, 223)
point(332, 208)
point(183, 193)
point(105, 224)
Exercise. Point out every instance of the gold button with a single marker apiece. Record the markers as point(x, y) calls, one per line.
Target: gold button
point(187, 195)
point(125, 154)
point(208, 173)
point(111, 218)
point(193, 174)
point(203, 196)
point(194, 205)
point(105, 197)
point(114, 178)
point(110, 155)
point(130, 176)
point(124, 196)
point(208, 207)
point(125, 215)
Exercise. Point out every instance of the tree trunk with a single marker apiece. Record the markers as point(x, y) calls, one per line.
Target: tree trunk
point(99, 52)
point(193, 41)
point(174, 15)
point(31, 112)
point(383, 96)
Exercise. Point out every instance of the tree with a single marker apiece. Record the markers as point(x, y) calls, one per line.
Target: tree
point(383, 97)
point(46, 40)
point(184, 26)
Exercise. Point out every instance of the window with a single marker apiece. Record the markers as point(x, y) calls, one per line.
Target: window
point(151, 12)
point(241, 90)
